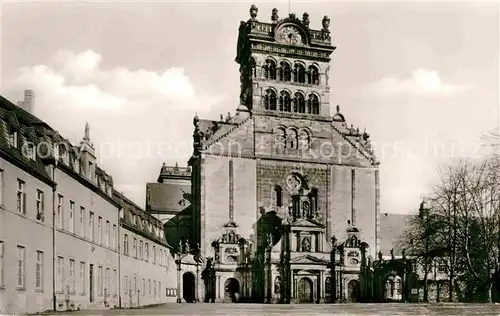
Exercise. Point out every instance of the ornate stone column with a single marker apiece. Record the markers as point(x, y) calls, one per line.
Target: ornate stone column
point(313, 242)
point(218, 288)
point(299, 242)
point(333, 263)
point(322, 286)
point(268, 272)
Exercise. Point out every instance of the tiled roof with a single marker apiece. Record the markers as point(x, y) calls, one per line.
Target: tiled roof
point(171, 197)
point(392, 229)
point(22, 114)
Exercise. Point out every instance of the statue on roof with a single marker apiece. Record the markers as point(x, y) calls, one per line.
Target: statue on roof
point(326, 23)
point(334, 241)
point(253, 12)
point(305, 19)
point(87, 131)
point(274, 16)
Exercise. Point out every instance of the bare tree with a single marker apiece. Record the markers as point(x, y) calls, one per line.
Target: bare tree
point(461, 223)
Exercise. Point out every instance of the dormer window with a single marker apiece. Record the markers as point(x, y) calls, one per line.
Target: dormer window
point(13, 139)
point(77, 165)
point(63, 153)
point(29, 150)
point(91, 171)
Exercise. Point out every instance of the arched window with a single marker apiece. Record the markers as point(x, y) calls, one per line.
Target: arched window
point(389, 287)
point(278, 196)
point(313, 75)
point(313, 104)
point(399, 286)
point(269, 100)
point(300, 103)
point(299, 73)
point(304, 140)
point(291, 139)
point(279, 140)
point(285, 71)
point(285, 101)
point(270, 69)
point(313, 199)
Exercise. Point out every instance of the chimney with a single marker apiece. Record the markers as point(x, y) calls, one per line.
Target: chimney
point(29, 101)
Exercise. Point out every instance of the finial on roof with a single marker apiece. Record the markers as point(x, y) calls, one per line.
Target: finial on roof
point(195, 119)
point(326, 23)
point(338, 108)
point(305, 19)
point(87, 131)
point(253, 12)
point(274, 15)
point(366, 136)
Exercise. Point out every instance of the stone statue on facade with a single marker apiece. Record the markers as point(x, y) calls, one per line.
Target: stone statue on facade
point(306, 244)
point(334, 242)
point(277, 285)
point(269, 240)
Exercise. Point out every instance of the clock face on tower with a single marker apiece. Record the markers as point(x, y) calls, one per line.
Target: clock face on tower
point(289, 35)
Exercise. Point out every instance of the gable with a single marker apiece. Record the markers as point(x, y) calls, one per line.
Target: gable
point(236, 140)
point(307, 259)
point(303, 222)
point(351, 149)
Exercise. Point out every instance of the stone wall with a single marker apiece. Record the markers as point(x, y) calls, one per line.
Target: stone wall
point(215, 195)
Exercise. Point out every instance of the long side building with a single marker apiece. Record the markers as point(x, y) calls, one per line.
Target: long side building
point(67, 239)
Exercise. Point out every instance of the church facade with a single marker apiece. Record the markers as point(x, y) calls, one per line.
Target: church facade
point(284, 194)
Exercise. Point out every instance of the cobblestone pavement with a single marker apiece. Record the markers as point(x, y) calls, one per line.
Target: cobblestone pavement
point(343, 309)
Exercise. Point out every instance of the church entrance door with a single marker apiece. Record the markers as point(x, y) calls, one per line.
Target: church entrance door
point(232, 290)
point(188, 287)
point(353, 290)
point(305, 291)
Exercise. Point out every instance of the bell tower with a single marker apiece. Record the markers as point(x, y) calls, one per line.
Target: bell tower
point(284, 66)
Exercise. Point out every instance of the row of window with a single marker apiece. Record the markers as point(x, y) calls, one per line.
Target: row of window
point(104, 279)
point(285, 72)
point(105, 235)
point(146, 225)
point(285, 103)
point(29, 150)
point(142, 253)
point(130, 287)
point(291, 138)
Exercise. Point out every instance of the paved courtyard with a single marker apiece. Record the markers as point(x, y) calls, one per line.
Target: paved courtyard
point(343, 309)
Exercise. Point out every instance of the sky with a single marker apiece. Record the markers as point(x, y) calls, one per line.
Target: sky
point(421, 77)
